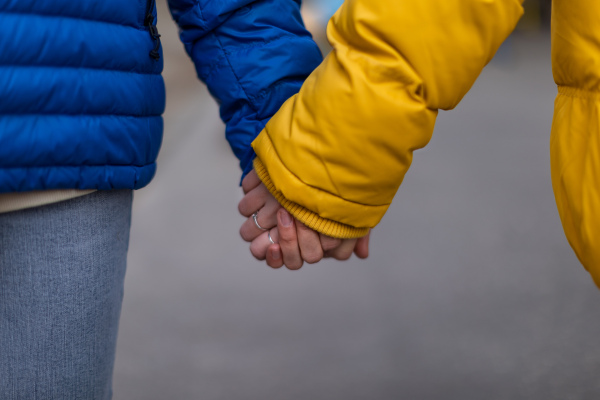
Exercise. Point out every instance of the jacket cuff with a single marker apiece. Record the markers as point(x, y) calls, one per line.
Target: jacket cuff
point(310, 219)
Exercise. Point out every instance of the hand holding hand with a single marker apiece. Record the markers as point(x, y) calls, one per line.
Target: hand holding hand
point(280, 239)
point(298, 244)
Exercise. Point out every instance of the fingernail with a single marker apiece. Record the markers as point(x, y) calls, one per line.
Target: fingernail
point(286, 218)
point(275, 254)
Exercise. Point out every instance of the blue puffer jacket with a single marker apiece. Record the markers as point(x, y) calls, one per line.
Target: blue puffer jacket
point(81, 95)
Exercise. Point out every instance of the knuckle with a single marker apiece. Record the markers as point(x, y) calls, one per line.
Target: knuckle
point(285, 242)
point(245, 234)
point(243, 208)
point(246, 184)
point(313, 257)
point(266, 222)
point(287, 235)
point(250, 181)
point(312, 260)
point(255, 251)
point(343, 256)
point(331, 243)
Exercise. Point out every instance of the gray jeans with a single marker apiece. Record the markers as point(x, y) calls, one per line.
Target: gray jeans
point(62, 268)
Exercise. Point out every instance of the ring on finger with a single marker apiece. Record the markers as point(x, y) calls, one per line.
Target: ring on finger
point(254, 217)
point(270, 238)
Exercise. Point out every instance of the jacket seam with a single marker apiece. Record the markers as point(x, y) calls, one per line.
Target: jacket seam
point(82, 68)
point(37, 14)
point(5, 114)
point(77, 166)
point(578, 93)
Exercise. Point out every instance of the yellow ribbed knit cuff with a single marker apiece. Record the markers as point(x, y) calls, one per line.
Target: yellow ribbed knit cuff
point(307, 217)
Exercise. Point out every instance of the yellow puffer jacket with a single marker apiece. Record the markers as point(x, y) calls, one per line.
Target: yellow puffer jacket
point(335, 154)
point(575, 140)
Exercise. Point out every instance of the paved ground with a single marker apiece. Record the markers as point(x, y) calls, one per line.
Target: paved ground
point(471, 291)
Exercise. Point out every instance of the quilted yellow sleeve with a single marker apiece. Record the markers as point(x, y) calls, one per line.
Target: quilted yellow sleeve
point(575, 140)
point(335, 154)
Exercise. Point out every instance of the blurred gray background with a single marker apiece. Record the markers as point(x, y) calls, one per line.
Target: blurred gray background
point(471, 290)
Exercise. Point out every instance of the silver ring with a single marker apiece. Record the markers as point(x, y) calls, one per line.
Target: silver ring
point(256, 221)
point(270, 238)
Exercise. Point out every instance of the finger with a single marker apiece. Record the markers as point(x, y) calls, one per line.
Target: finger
point(250, 181)
point(309, 243)
point(288, 241)
point(266, 217)
point(253, 201)
point(274, 259)
point(274, 256)
point(361, 249)
point(329, 243)
point(274, 235)
point(344, 251)
point(259, 246)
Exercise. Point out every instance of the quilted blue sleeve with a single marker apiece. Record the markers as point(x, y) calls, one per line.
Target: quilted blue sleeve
point(252, 54)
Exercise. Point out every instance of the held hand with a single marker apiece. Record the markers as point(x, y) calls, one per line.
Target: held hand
point(296, 243)
point(260, 207)
point(280, 239)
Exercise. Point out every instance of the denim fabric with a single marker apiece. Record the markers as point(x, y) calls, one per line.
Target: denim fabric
point(62, 268)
